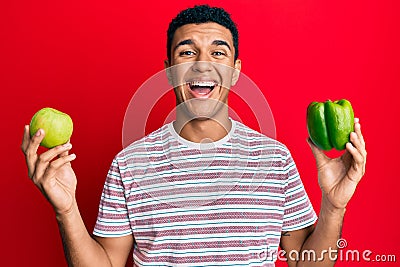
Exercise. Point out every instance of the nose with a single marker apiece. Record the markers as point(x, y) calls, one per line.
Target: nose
point(202, 64)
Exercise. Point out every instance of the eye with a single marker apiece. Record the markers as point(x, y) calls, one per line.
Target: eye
point(218, 53)
point(186, 53)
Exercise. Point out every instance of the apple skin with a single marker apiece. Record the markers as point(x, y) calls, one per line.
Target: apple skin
point(57, 126)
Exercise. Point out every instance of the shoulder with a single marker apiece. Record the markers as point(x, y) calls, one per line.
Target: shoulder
point(254, 138)
point(147, 143)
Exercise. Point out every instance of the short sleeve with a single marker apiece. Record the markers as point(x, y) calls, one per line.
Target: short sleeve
point(113, 219)
point(298, 210)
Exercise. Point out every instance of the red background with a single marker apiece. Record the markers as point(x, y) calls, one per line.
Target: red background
point(87, 58)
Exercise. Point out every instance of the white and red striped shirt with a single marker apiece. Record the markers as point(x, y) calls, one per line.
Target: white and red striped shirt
point(204, 204)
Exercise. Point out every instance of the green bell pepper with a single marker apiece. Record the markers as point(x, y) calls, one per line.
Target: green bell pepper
point(330, 123)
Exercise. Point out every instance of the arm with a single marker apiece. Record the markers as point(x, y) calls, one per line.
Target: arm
point(315, 244)
point(81, 249)
point(338, 179)
point(52, 173)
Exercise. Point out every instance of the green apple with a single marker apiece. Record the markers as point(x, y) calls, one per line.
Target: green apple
point(56, 125)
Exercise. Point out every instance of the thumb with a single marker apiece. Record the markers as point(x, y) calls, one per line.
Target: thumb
point(319, 155)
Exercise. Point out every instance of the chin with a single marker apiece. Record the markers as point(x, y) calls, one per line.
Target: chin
point(202, 109)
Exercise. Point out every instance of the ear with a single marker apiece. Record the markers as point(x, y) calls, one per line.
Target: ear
point(168, 71)
point(236, 73)
point(166, 63)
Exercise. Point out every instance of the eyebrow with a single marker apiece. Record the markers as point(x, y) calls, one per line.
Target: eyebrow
point(190, 42)
point(184, 42)
point(221, 42)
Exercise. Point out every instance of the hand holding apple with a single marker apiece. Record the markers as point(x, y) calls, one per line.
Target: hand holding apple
point(51, 171)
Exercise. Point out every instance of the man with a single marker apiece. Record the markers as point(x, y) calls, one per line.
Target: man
point(178, 204)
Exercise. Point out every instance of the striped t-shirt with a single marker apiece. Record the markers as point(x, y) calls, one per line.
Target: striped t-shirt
point(204, 204)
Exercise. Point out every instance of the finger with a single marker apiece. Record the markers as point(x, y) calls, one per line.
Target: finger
point(31, 151)
point(357, 129)
point(44, 160)
point(25, 139)
point(358, 165)
point(34, 143)
point(65, 153)
point(319, 155)
point(358, 143)
point(55, 165)
point(54, 152)
point(355, 153)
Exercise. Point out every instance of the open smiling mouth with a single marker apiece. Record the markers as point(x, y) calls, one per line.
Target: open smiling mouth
point(202, 89)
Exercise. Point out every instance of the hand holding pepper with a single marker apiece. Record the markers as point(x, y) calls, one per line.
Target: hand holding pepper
point(338, 177)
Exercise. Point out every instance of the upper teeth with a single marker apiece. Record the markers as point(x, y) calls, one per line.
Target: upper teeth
point(202, 83)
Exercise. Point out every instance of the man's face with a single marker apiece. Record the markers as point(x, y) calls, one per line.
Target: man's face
point(203, 67)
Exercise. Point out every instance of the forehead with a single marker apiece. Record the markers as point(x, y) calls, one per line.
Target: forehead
point(205, 32)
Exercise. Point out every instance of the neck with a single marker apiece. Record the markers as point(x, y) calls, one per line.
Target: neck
point(203, 130)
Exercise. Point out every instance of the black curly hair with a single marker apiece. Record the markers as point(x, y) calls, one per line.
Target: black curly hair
point(202, 14)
